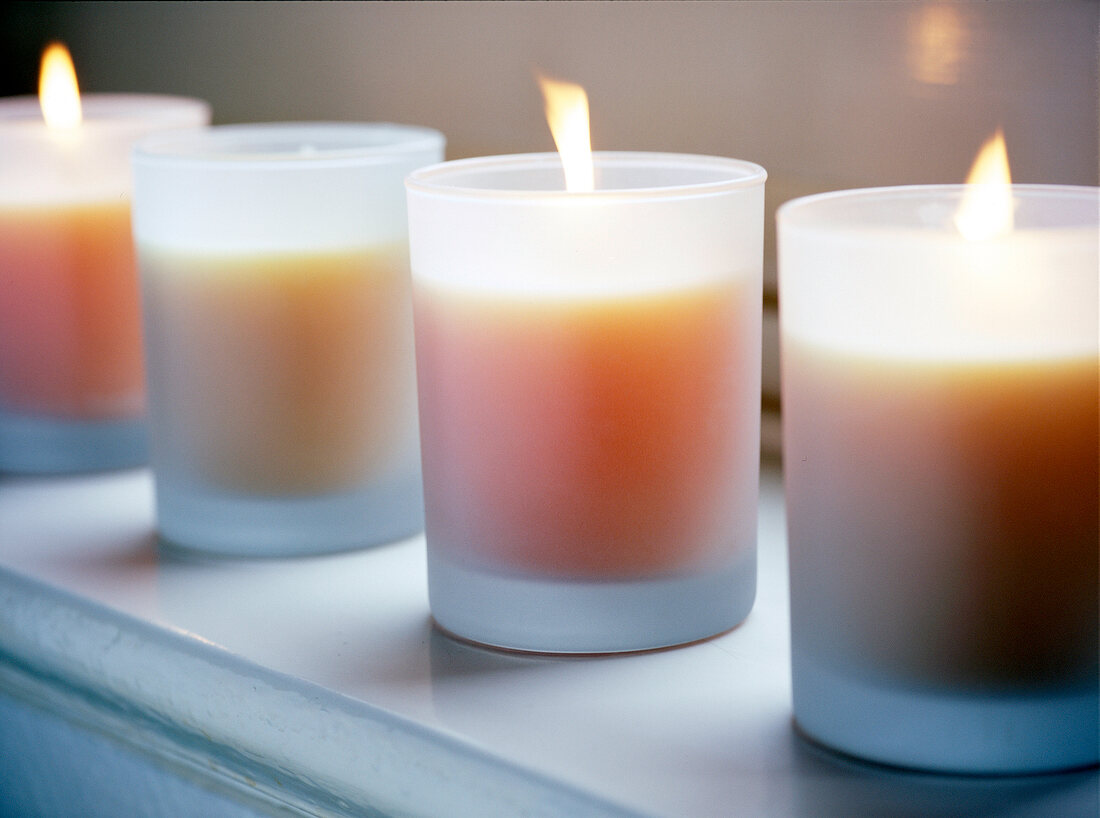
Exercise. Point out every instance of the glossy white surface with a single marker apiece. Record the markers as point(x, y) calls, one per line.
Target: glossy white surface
point(326, 670)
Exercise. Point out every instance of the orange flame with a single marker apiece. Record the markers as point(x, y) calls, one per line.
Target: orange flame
point(567, 114)
point(58, 93)
point(986, 207)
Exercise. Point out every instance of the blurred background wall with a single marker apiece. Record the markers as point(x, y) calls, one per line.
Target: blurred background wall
point(825, 95)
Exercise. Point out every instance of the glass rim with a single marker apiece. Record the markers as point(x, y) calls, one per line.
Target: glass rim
point(241, 146)
point(802, 212)
point(105, 111)
point(431, 180)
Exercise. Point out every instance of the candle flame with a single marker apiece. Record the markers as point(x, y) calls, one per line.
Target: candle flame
point(567, 114)
point(986, 208)
point(58, 93)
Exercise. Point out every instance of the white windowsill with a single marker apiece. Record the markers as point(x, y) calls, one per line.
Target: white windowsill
point(319, 684)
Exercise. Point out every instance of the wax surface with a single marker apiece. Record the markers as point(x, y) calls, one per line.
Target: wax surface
point(943, 516)
point(282, 373)
point(70, 331)
point(588, 437)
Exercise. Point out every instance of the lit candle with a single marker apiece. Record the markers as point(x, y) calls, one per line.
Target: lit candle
point(940, 448)
point(274, 270)
point(72, 394)
point(588, 367)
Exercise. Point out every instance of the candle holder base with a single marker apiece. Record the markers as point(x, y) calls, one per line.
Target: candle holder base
point(202, 519)
point(948, 732)
point(35, 444)
point(537, 615)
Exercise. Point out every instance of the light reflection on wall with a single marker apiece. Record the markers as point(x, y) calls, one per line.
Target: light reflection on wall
point(937, 42)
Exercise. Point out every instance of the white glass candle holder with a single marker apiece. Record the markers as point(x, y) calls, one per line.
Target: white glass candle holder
point(72, 390)
point(588, 368)
point(940, 454)
point(278, 332)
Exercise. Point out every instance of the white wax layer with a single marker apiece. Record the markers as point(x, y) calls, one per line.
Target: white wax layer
point(887, 274)
point(40, 166)
point(659, 222)
point(278, 186)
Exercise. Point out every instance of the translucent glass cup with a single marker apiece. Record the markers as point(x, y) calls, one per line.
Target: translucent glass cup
point(72, 386)
point(940, 455)
point(278, 334)
point(588, 368)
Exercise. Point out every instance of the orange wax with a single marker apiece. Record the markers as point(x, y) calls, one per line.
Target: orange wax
point(70, 332)
point(960, 513)
point(585, 437)
point(280, 373)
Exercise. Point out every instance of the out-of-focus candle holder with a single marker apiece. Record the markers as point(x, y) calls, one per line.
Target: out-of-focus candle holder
point(274, 270)
point(589, 377)
point(940, 454)
point(72, 391)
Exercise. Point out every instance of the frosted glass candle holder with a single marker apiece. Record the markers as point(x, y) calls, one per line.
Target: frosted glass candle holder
point(940, 454)
point(72, 388)
point(278, 334)
point(588, 368)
